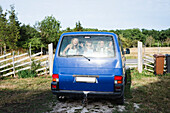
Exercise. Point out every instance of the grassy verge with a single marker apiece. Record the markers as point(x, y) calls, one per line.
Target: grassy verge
point(26, 95)
point(149, 91)
point(131, 57)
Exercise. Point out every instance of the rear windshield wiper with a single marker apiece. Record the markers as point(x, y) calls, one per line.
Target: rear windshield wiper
point(78, 55)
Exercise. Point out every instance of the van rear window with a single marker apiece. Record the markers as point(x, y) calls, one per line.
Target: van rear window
point(88, 46)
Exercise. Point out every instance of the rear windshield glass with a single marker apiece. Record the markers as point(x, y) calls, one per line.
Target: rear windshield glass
point(89, 46)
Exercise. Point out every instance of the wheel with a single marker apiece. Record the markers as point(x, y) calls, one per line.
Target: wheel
point(120, 100)
point(125, 78)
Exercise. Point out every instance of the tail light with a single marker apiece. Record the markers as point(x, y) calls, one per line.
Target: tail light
point(118, 79)
point(54, 86)
point(55, 77)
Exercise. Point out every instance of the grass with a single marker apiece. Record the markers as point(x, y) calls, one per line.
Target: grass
point(34, 95)
point(131, 57)
point(148, 90)
point(26, 95)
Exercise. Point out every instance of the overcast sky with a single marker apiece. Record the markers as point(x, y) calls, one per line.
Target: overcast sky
point(101, 14)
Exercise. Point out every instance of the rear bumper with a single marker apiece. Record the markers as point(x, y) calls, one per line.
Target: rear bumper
point(90, 94)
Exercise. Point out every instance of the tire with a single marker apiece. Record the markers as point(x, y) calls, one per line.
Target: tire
point(120, 100)
point(125, 78)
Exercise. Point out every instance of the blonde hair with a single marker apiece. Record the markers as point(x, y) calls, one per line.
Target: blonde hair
point(72, 45)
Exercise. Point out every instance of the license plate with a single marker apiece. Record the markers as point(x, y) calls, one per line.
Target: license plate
point(86, 79)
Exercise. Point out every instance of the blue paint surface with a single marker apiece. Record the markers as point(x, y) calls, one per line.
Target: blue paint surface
point(105, 68)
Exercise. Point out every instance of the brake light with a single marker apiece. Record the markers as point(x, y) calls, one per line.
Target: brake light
point(54, 86)
point(117, 87)
point(118, 79)
point(55, 77)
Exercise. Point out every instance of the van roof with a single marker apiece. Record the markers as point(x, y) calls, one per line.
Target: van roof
point(89, 33)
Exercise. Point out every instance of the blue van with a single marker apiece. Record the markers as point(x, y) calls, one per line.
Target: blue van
point(89, 64)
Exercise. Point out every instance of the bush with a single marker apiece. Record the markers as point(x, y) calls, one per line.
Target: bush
point(30, 73)
point(26, 74)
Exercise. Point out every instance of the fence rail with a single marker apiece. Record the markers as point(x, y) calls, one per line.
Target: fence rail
point(5, 55)
point(148, 62)
point(16, 63)
point(12, 64)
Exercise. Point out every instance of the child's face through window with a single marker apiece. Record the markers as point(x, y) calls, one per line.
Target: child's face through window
point(88, 44)
point(101, 43)
point(75, 42)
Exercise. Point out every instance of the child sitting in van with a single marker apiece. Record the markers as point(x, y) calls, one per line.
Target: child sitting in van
point(88, 50)
point(101, 48)
point(72, 48)
point(110, 49)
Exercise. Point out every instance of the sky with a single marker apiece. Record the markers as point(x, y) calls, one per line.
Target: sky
point(100, 14)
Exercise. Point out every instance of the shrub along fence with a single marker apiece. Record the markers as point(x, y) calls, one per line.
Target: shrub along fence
point(11, 64)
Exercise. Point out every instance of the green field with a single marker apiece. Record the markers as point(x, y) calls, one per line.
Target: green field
point(149, 92)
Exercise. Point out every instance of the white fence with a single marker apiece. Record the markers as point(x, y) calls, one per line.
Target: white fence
point(12, 64)
point(145, 57)
point(148, 62)
point(139, 62)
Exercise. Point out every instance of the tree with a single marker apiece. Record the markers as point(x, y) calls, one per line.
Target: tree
point(68, 29)
point(13, 29)
point(49, 29)
point(162, 36)
point(78, 26)
point(35, 43)
point(0, 28)
point(149, 41)
point(134, 43)
point(90, 29)
point(3, 29)
point(167, 41)
point(28, 36)
point(127, 43)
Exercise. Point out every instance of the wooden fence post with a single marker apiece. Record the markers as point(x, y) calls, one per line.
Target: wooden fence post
point(30, 56)
point(4, 54)
point(41, 51)
point(13, 59)
point(5, 50)
point(145, 54)
point(46, 66)
point(1, 50)
point(140, 62)
point(50, 52)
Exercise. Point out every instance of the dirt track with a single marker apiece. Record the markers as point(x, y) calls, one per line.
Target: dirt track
point(93, 106)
